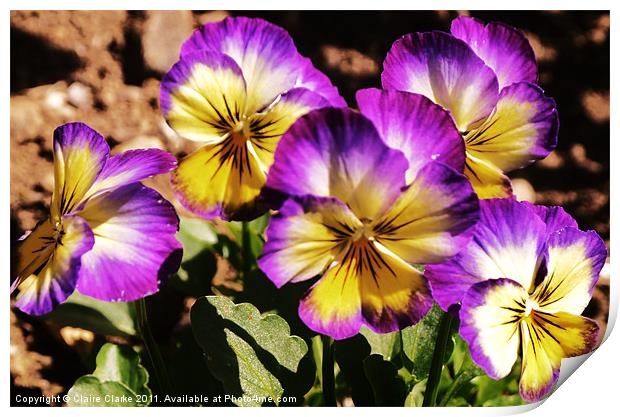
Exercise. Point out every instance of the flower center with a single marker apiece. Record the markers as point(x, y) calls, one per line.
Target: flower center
point(529, 306)
point(364, 232)
point(59, 232)
point(241, 132)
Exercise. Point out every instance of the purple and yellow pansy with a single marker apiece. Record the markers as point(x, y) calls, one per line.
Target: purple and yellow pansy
point(238, 86)
point(359, 213)
point(107, 236)
point(523, 282)
point(485, 76)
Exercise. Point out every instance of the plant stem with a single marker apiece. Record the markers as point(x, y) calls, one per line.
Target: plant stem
point(434, 375)
point(152, 350)
point(327, 372)
point(246, 250)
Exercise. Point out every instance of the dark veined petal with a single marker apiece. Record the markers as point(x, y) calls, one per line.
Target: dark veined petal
point(55, 279)
point(413, 124)
point(80, 154)
point(444, 69)
point(574, 260)
point(203, 96)
point(366, 286)
point(264, 52)
point(433, 219)
point(135, 248)
point(301, 245)
point(545, 340)
point(503, 48)
point(523, 128)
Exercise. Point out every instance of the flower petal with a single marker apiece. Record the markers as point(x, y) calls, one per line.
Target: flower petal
point(268, 127)
point(488, 181)
point(221, 180)
point(546, 340)
point(314, 80)
point(203, 96)
point(338, 153)
point(433, 219)
point(490, 317)
point(554, 217)
point(394, 294)
point(366, 286)
point(446, 70)
point(508, 241)
point(522, 129)
point(33, 251)
point(41, 291)
point(574, 261)
point(132, 166)
point(503, 48)
point(303, 245)
point(264, 52)
point(135, 246)
point(80, 154)
point(413, 124)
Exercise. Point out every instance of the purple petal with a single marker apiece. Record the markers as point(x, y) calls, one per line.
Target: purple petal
point(135, 246)
point(80, 154)
point(338, 153)
point(264, 52)
point(554, 217)
point(39, 293)
point(446, 70)
point(132, 166)
point(314, 80)
point(503, 48)
point(509, 241)
point(413, 124)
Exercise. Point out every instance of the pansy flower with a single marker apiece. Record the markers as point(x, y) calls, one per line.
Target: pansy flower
point(523, 281)
point(359, 214)
point(485, 76)
point(108, 236)
point(239, 84)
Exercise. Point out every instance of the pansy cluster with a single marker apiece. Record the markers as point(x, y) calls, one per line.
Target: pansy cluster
point(389, 207)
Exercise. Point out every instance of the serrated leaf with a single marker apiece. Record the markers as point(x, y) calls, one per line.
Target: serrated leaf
point(118, 380)
point(251, 354)
point(101, 317)
point(384, 344)
point(419, 342)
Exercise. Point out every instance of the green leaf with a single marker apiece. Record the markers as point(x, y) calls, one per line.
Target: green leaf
point(251, 354)
point(416, 397)
point(101, 317)
point(419, 342)
point(384, 344)
point(118, 380)
point(196, 235)
point(387, 386)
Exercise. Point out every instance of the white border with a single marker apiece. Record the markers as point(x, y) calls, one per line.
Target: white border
point(593, 389)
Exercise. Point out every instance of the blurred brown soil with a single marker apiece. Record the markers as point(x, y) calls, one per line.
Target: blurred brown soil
point(103, 69)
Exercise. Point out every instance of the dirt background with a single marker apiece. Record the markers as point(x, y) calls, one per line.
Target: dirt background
point(103, 68)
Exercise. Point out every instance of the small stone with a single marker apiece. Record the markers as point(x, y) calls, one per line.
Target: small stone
point(523, 190)
point(140, 142)
point(164, 32)
point(80, 95)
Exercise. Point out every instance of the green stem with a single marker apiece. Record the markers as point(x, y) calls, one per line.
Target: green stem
point(152, 350)
point(246, 250)
point(327, 372)
point(434, 375)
